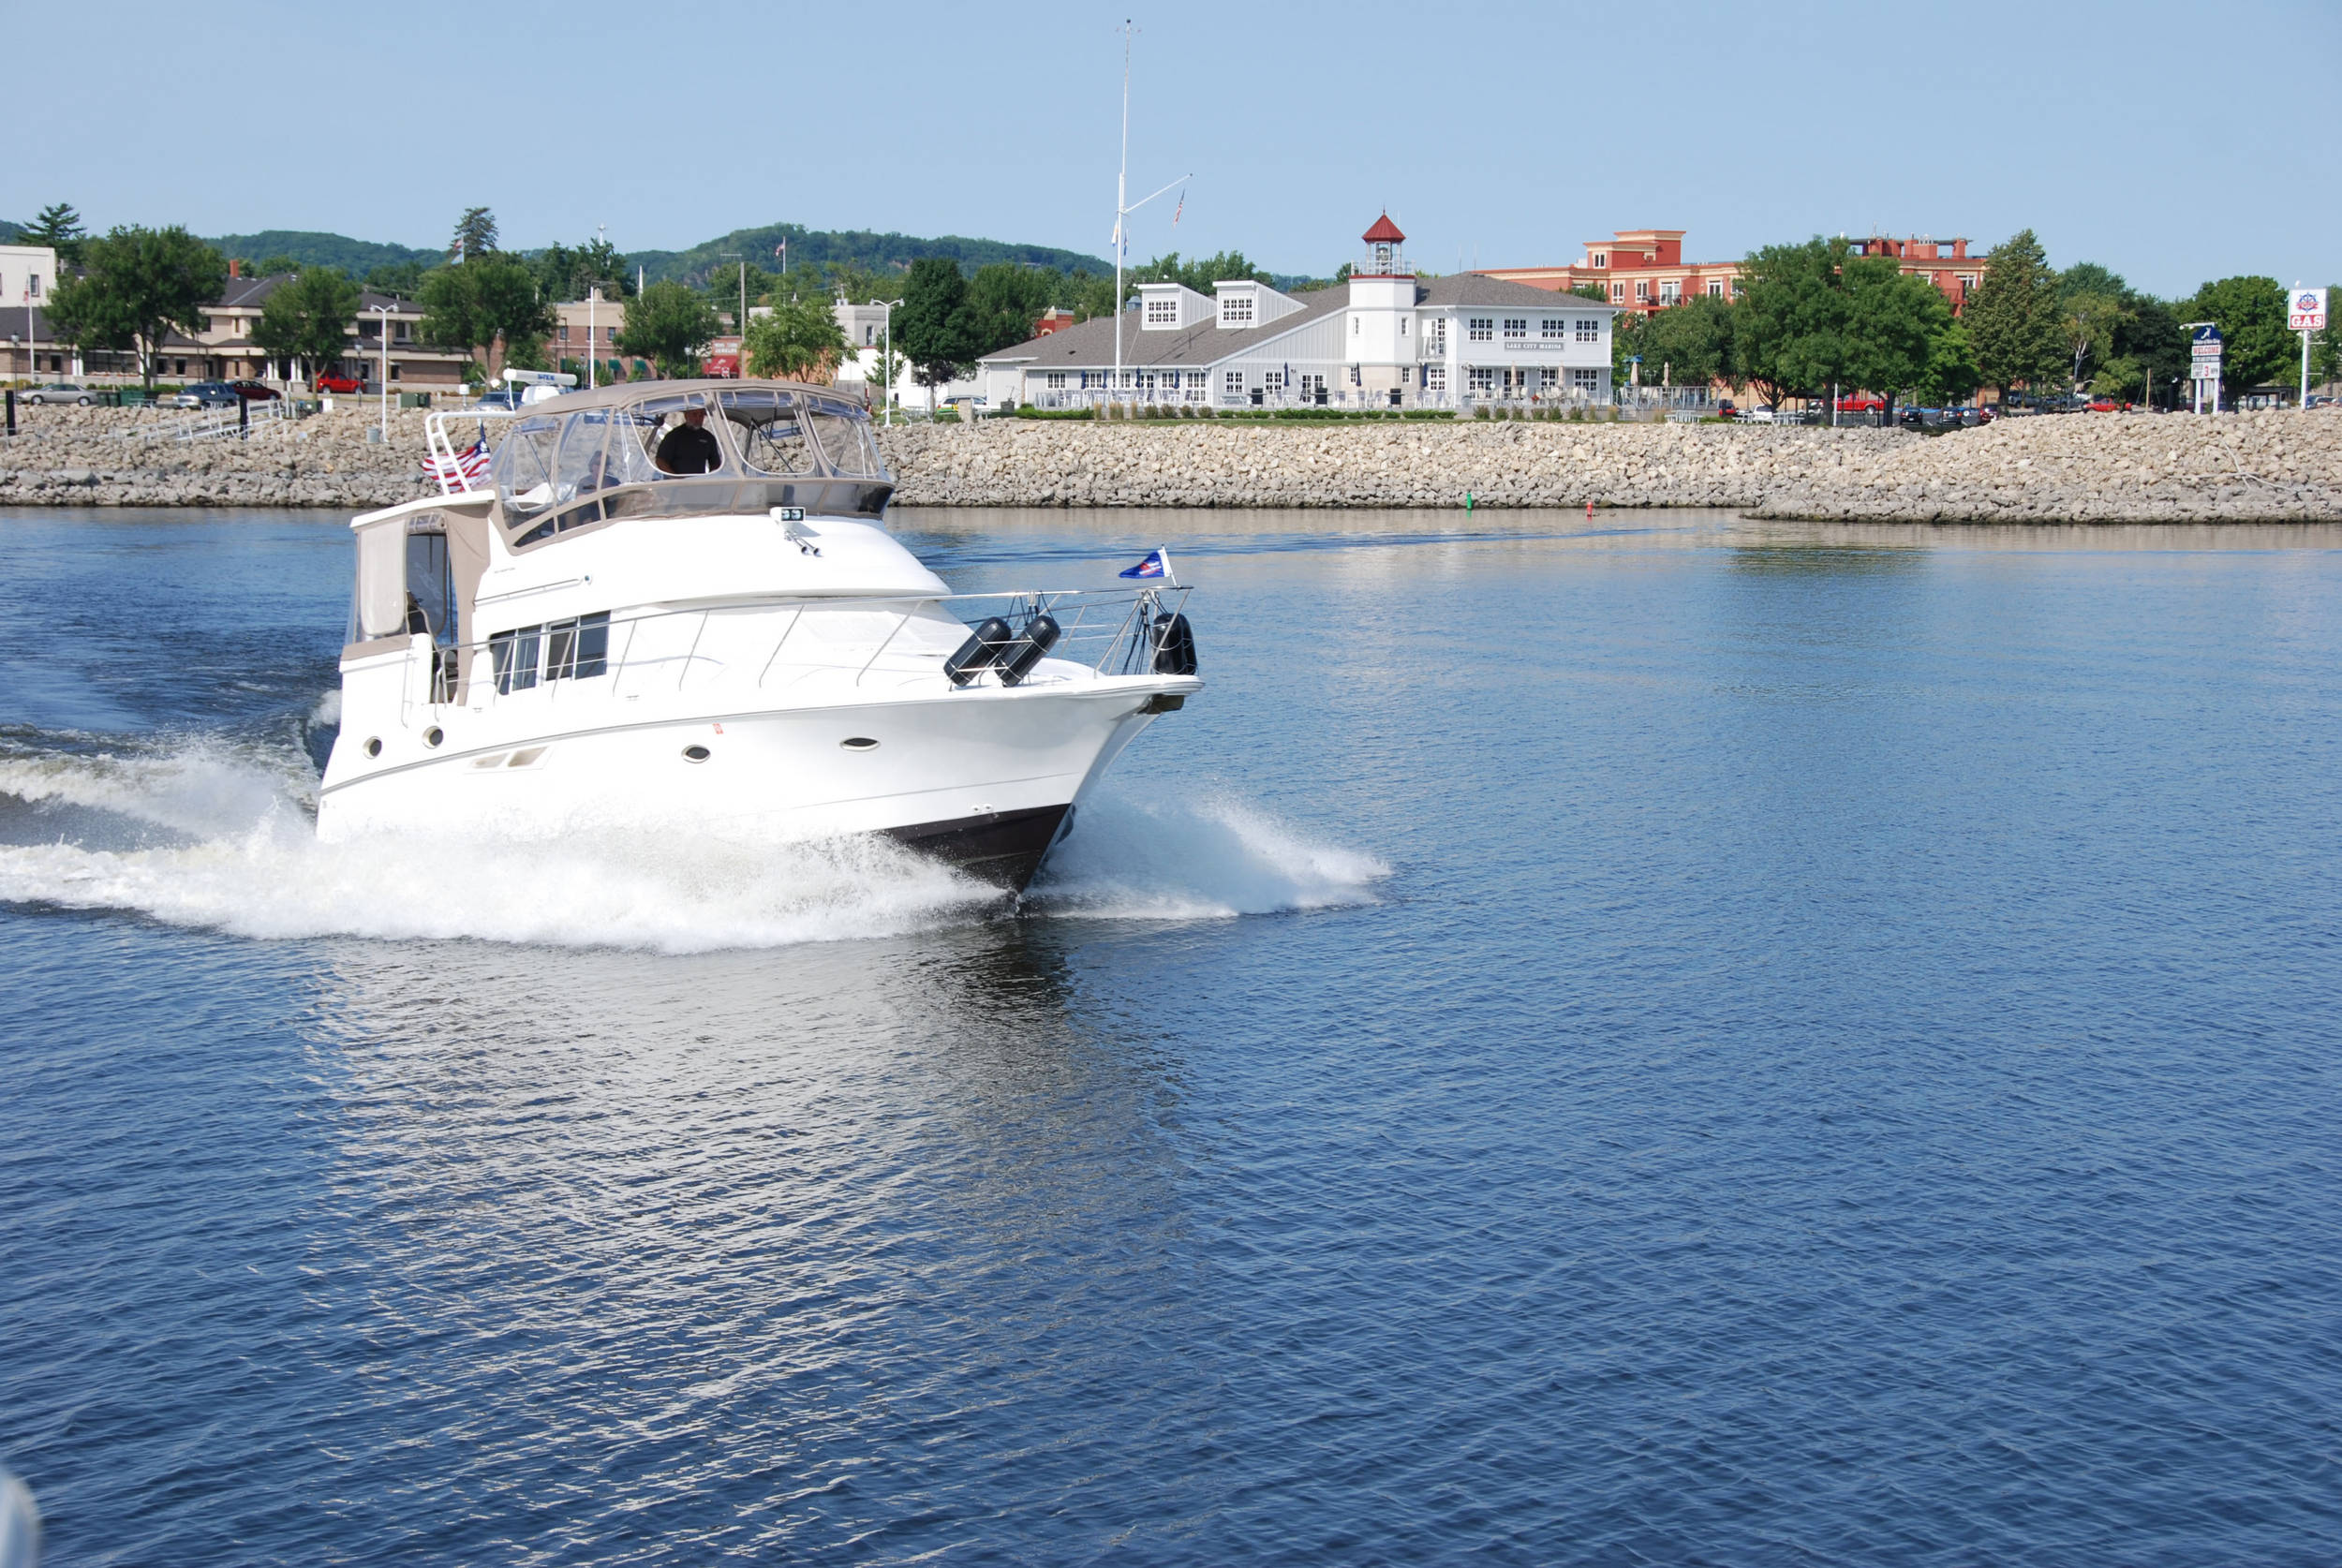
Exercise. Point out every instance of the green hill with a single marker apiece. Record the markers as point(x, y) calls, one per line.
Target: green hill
point(858, 248)
point(310, 249)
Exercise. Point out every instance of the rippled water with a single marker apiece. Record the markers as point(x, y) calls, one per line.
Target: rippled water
point(1657, 1041)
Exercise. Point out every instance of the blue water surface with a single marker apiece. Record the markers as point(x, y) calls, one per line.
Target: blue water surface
point(1658, 1041)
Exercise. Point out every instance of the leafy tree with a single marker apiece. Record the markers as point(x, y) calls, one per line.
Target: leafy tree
point(2089, 323)
point(1590, 292)
point(400, 279)
point(847, 280)
point(1093, 298)
point(491, 300)
point(272, 266)
point(796, 339)
point(2325, 348)
point(1005, 300)
point(2150, 352)
point(475, 234)
point(1950, 374)
point(1792, 323)
point(2088, 277)
point(1690, 344)
point(935, 326)
point(566, 273)
point(2012, 317)
point(2256, 344)
point(668, 324)
point(136, 286)
point(308, 318)
point(59, 227)
point(1892, 322)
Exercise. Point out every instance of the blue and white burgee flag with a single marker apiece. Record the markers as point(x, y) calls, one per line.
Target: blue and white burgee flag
point(1157, 564)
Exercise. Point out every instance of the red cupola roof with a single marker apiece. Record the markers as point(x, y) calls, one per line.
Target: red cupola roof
point(1385, 232)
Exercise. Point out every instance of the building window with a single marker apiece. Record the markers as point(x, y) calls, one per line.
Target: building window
point(1163, 313)
point(1548, 379)
point(395, 371)
point(1716, 288)
point(1272, 380)
point(1439, 334)
point(1669, 292)
point(1618, 290)
point(1643, 290)
point(1585, 380)
point(1235, 310)
point(1967, 281)
point(1555, 328)
point(1232, 383)
point(34, 285)
point(1435, 377)
point(1482, 329)
point(1353, 377)
point(1516, 329)
point(1601, 257)
point(1589, 328)
point(1402, 326)
point(869, 336)
point(565, 332)
point(1057, 380)
point(1484, 379)
point(1354, 326)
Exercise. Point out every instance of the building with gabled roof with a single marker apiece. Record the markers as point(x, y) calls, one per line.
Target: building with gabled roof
point(1385, 338)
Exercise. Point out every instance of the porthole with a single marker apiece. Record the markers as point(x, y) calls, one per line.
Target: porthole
point(696, 754)
point(434, 736)
point(374, 747)
point(859, 743)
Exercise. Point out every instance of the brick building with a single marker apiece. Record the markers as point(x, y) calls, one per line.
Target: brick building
point(1644, 270)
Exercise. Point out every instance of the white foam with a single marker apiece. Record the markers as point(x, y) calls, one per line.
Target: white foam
point(255, 870)
point(1185, 859)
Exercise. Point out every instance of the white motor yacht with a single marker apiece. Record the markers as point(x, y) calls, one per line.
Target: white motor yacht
point(676, 603)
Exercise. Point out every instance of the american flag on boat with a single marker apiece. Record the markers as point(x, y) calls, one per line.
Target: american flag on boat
point(462, 471)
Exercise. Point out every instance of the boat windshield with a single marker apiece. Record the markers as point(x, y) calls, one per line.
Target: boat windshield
point(844, 434)
point(651, 444)
point(768, 428)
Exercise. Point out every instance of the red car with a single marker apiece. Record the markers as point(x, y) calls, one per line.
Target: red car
point(253, 392)
point(1861, 403)
point(328, 382)
point(2105, 406)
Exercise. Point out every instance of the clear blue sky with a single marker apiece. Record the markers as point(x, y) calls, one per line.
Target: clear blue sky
point(2160, 140)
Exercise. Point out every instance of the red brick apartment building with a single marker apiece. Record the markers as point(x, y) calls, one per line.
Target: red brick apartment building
point(1643, 269)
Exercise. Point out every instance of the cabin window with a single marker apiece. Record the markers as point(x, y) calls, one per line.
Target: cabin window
point(769, 429)
point(1235, 310)
point(843, 434)
point(1163, 313)
point(577, 648)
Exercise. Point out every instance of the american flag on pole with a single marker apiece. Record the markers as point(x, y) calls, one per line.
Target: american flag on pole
point(459, 472)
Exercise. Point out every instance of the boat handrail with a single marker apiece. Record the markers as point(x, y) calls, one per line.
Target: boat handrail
point(1114, 631)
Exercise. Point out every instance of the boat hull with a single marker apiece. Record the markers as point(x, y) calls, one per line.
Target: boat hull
point(982, 780)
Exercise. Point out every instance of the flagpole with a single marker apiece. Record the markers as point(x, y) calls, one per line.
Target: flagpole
point(1121, 211)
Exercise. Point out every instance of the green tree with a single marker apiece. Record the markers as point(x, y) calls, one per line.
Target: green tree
point(272, 266)
point(1689, 343)
point(2089, 323)
point(475, 234)
point(2325, 348)
point(566, 273)
point(1950, 374)
point(136, 286)
point(668, 324)
point(2256, 346)
point(2088, 277)
point(935, 328)
point(1004, 300)
point(1093, 297)
point(401, 279)
point(308, 318)
point(1792, 323)
point(2012, 317)
point(492, 301)
point(59, 227)
point(794, 339)
point(1590, 292)
point(1893, 320)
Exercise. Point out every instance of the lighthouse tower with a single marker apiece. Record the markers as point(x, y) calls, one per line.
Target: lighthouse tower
point(1379, 339)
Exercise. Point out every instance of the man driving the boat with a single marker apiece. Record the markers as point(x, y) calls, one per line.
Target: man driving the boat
point(691, 447)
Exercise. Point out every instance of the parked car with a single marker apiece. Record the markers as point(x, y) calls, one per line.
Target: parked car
point(254, 391)
point(2318, 400)
point(2106, 405)
point(1725, 411)
point(1757, 415)
point(203, 394)
point(500, 398)
point(1861, 403)
point(61, 392)
point(328, 382)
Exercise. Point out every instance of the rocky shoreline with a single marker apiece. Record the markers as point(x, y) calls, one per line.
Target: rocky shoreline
point(2093, 469)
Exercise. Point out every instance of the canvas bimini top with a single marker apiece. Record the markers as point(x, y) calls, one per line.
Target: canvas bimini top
point(637, 450)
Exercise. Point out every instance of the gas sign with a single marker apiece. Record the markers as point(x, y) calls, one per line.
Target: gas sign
point(2307, 312)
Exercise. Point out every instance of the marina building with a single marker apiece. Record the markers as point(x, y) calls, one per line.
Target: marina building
point(1384, 337)
point(1644, 270)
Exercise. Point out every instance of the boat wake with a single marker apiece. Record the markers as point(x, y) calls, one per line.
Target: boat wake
point(217, 833)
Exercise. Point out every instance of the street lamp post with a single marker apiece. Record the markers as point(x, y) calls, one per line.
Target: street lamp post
point(887, 356)
point(384, 312)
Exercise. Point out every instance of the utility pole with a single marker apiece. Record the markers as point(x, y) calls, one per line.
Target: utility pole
point(886, 358)
point(384, 311)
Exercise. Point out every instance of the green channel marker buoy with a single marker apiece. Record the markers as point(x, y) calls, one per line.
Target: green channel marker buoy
point(1467, 502)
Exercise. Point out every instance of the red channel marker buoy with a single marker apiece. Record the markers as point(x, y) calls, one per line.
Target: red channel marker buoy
point(1589, 512)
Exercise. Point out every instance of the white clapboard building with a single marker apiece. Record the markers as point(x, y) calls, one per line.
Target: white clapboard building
point(1386, 338)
